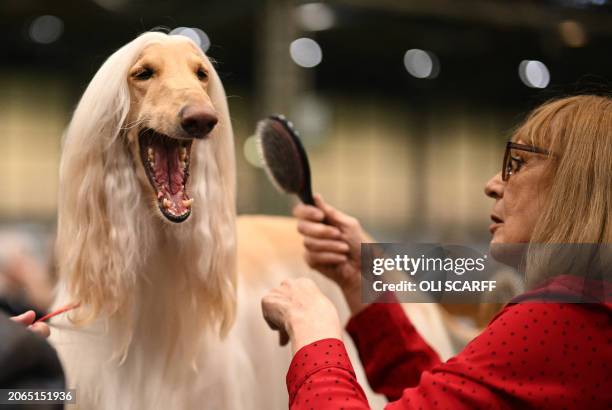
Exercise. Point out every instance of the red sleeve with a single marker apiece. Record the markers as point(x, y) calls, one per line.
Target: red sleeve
point(321, 377)
point(393, 353)
point(545, 355)
point(532, 355)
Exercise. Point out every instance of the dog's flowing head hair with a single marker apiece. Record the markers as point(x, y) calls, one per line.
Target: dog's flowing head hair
point(110, 227)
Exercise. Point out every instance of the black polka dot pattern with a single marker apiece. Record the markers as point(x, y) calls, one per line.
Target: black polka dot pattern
point(321, 377)
point(532, 355)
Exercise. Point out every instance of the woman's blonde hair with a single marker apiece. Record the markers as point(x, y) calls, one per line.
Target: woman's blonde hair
point(577, 131)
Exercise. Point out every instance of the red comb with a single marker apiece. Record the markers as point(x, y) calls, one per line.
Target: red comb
point(59, 311)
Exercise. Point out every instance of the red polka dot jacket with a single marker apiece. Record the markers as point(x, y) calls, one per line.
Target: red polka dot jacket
point(531, 356)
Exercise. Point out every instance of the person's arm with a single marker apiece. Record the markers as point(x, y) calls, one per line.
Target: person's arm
point(321, 377)
point(393, 353)
point(525, 358)
point(314, 384)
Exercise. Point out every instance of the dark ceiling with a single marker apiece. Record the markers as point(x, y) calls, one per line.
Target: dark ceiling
point(479, 44)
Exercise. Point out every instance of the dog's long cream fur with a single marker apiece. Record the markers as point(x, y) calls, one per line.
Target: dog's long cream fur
point(150, 291)
point(158, 300)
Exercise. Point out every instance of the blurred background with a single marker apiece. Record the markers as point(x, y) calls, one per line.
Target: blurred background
point(404, 106)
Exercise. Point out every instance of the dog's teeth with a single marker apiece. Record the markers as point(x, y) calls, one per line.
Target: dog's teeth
point(183, 164)
point(151, 154)
point(160, 195)
point(166, 203)
point(187, 202)
point(183, 153)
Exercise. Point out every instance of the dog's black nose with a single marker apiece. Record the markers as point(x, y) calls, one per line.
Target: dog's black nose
point(198, 120)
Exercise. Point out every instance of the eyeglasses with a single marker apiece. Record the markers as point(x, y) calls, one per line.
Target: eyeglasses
point(513, 163)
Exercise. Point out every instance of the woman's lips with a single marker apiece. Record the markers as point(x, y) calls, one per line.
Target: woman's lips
point(497, 223)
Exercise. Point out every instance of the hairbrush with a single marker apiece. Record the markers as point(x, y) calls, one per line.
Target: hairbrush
point(284, 157)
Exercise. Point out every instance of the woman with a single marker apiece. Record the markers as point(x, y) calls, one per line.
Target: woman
point(554, 188)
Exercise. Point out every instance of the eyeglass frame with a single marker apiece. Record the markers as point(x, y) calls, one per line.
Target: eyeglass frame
point(521, 147)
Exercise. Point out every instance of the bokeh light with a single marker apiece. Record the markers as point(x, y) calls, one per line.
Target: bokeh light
point(421, 64)
point(305, 52)
point(46, 29)
point(251, 152)
point(315, 16)
point(534, 74)
point(197, 35)
point(572, 33)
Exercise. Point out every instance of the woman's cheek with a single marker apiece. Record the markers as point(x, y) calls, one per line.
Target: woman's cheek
point(517, 229)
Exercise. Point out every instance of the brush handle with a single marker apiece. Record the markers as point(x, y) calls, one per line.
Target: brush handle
point(308, 199)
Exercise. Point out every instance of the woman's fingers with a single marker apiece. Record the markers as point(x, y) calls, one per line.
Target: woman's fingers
point(41, 329)
point(298, 310)
point(333, 215)
point(274, 307)
point(323, 211)
point(25, 318)
point(325, 245)
point(318, 230)
point(308, 212)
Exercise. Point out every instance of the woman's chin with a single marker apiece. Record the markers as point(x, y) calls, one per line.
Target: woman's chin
point(507, 249)
point(497, 238)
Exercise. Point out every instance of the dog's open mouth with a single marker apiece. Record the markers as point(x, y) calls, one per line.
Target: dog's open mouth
point(166, 163)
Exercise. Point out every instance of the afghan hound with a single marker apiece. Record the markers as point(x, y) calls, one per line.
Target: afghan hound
point(147, 244)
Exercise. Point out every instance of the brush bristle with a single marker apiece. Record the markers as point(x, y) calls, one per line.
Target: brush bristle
point(280, 156)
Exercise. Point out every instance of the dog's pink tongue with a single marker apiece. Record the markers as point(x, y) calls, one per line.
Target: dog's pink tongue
point(170, 175)
point(168, 170)
point(175, 170)
point(161, 166)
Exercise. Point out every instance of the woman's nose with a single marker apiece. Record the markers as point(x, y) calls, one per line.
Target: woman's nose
point(495, 187)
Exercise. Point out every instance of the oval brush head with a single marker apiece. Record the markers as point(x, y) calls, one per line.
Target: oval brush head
point(284, 157)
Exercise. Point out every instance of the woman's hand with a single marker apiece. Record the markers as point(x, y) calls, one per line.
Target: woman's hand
point(300, 312)
point(27, 319)
point(334, 247)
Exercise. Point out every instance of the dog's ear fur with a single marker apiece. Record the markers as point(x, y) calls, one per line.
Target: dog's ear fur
point(95, 260)
point(105, 229)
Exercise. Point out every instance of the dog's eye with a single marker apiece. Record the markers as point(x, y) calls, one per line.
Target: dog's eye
point(144, 74)
point(202, 74)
